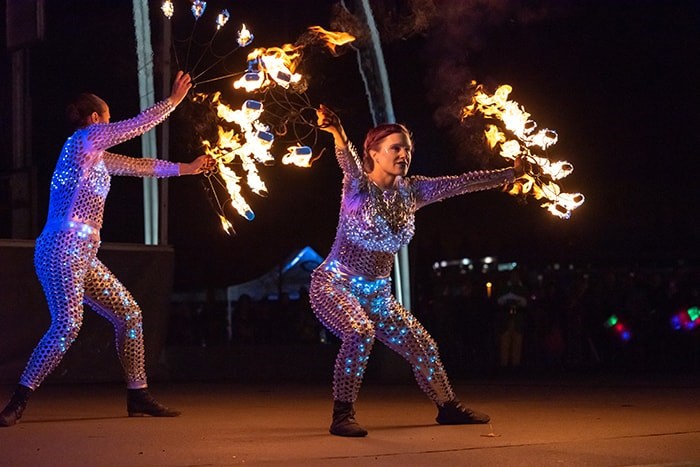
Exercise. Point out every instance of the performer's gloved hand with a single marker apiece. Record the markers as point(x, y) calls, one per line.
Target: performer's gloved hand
point(522, 166)
point(329, 122)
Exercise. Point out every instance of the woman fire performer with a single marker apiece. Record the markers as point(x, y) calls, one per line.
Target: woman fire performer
point(351, 290)
point(65, 254)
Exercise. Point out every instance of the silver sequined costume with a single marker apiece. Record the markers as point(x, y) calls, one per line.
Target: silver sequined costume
point(351, 291)
point(65, 252)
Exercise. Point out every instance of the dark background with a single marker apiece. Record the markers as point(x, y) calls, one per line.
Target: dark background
point(617, 81)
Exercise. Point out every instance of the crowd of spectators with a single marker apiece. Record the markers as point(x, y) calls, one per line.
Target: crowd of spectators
point(573, 319)
point(514, 321)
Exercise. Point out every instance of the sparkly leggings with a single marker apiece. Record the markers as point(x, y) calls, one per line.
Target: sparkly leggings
point(357, 311)
point(71, 275)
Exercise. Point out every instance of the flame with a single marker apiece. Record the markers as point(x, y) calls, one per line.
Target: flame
point(168, 9)
point(271, 65)
point(540, 182)
point(331, 39)
point(250, 146)
point(222, 19)
point(226, 224)
point(245, 37)
point(198, 8)
point(301, 156)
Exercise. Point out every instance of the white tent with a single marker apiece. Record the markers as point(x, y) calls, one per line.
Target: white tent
point(288, 278)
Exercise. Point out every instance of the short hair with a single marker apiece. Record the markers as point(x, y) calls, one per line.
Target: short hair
point(82, 107)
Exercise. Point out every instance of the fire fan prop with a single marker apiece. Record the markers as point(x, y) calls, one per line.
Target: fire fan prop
point(246, 134)
point(514, 134)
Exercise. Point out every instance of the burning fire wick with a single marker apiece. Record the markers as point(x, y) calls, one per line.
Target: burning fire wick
point(540, 181)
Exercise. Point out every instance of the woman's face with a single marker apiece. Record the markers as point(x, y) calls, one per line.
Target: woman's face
point(104, 116)
point(393, 154)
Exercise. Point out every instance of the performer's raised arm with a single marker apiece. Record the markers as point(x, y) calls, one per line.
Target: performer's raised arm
point(105, 134)
point(348, 159)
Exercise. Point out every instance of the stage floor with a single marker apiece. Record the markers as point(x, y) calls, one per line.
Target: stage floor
point(571, 422)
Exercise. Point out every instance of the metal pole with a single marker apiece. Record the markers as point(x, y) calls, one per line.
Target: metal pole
point(375, 76)
point(144, 53)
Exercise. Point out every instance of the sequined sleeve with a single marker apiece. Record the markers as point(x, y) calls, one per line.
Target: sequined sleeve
point(105, 135)
point(118, 164)
point(349, 161)
point(431, 190)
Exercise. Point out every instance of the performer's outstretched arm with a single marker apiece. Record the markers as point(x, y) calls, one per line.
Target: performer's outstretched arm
point(430, 190)
point(118, 164)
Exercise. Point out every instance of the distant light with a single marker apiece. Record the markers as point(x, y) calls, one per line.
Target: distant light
point(507, 266)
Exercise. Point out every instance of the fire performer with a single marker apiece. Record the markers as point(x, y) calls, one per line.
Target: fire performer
point(351, 290)
point(65, 255)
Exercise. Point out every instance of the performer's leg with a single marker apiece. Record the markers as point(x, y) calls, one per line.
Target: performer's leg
point(110, 299)
point(340, 311)
point(398, 329)
point(61, 261)
point(107, 296)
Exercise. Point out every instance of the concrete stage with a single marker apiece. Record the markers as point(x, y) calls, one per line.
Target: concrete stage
point(595, 421)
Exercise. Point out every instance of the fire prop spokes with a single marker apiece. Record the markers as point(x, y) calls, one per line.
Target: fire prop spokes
point(515, 134)
point(246, 134)
point(206, 48)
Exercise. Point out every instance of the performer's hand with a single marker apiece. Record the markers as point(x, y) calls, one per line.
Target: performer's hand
point(329, 122)
point(181, 86)
point(522, 166)
point(201, 164)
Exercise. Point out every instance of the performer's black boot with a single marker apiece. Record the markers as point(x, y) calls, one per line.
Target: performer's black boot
point(14, 409)
point(344, 423)
point(453, 413)
point(140, 403)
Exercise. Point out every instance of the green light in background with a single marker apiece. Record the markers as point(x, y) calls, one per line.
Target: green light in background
point(612, 321)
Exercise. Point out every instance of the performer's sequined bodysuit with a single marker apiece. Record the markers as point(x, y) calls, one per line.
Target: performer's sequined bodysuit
point(351, 291)
point(65, 253)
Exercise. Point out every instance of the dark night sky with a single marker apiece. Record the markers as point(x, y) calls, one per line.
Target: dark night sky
point(616, 79)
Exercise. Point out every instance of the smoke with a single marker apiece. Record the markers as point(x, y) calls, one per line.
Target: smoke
point(460, 33)
point(453, 35)
point(396, 19)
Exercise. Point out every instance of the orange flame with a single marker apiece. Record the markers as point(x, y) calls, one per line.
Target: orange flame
point(516, 120)
point(248, 147)
point(331, 39)
point(271, 65)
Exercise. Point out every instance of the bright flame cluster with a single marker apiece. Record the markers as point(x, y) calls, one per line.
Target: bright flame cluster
point(540, 182)
point(278, 65)
point(248, 146)
point(275, 65)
